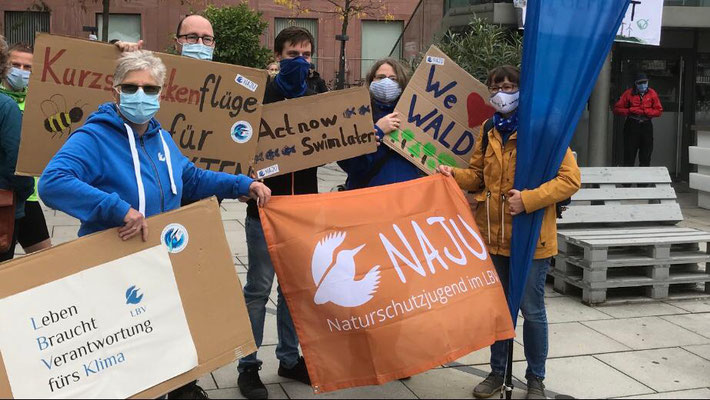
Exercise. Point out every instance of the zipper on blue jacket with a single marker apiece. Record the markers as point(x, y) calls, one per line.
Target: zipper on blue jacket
point(157, 176)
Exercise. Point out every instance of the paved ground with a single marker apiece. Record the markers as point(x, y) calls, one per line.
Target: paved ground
point(651, 350)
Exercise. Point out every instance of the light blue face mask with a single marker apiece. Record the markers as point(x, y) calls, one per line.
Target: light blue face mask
point(139, 107)
point(642, 87)
point(18, 79)
point(198, 51)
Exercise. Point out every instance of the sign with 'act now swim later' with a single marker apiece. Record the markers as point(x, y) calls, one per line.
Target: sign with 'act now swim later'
point(384, 292)
point(100, 317)
point(442, 110)
point(314, 130)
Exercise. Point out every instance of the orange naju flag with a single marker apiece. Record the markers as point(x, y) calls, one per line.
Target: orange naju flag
point(385, 282)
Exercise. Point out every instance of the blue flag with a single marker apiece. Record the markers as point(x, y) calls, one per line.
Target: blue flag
point(564, 47)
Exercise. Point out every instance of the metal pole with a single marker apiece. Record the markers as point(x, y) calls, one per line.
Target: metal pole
point(509, 372)
point(599, 118)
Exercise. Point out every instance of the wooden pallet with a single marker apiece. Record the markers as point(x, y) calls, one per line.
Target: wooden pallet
point(633, 246)
point(607, 199)
point(617, 236)
point(635, 289)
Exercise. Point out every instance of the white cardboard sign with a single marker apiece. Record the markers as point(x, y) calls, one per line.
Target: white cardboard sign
point(106, 332)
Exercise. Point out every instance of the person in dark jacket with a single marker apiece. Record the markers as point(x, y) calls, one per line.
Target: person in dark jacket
point(639, 105)
point(292, 48)
point(10, 127)
point(387, 79)
point(315, 82)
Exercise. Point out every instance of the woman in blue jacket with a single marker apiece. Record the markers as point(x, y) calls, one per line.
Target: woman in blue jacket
point(387, 79)
point(121, 167)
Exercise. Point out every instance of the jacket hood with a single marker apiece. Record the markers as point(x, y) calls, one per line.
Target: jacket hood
point(108, 118)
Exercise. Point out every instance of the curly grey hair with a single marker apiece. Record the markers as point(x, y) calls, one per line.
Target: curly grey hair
point(4, 58)
point(137, 61)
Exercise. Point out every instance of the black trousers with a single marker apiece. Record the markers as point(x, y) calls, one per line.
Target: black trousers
point(638, 138)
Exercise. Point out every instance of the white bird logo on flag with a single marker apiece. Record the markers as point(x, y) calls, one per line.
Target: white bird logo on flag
point(335, 282)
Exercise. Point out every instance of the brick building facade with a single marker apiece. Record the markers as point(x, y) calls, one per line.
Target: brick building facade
point(155, 21)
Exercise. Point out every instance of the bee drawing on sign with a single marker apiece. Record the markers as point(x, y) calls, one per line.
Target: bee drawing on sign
point(58, 119)
point(259, 157)
point(288, 150)
point(271, 154)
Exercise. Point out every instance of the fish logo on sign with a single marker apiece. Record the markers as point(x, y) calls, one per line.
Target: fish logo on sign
point(132, 296)
point(174, 237)
point(241, 131)
point(335, 281)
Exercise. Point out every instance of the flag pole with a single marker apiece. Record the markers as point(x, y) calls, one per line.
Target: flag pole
point(508, 386)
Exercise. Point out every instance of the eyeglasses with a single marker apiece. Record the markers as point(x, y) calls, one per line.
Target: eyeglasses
point(383, 76)
point(192, 38)
point(129, 88)
point(507, 88)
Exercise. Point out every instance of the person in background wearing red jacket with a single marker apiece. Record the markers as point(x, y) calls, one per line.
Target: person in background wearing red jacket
point(639, 104)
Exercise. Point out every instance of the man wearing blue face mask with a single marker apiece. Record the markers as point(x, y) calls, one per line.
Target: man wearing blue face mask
point(639, 105)
point(293, 48)
point(31, 230)
point(194, 38)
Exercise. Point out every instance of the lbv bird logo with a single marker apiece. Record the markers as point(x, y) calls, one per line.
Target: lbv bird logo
point(173, 239)
point(132, 296)
point(335, 282)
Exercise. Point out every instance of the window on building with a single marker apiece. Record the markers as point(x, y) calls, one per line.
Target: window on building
point(124, 27)
point(308, 23)
point(21, 26)
point(378, 40)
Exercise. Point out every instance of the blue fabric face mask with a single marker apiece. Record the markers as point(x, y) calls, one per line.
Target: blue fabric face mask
point(198, 51)
point(642, 87)
point(292, 76)
point(139, 107)
point(385, 90)
point(18, 79)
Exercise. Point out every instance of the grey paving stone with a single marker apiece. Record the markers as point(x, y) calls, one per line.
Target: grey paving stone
point(207, 382)
point(391, 390)
point(698, 323)
point(275, 392)
point(702, 350)
point(646, 332)
point(663, 370)
point(695, 306)
point(451, 383)
point(483, 356)
point(585, 377)
point(641, 310)
point(567, 309)
point(237, 242)
point(574, 339)
point(703, 393)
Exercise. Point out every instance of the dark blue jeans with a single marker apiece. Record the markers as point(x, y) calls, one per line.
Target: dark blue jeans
point(260, 279)
point(535, 325)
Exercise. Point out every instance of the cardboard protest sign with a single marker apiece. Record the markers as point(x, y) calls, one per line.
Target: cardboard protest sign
point(442, 110)
point(314, 130)
point(210, 109)
point(102, 318)
point(384, 292)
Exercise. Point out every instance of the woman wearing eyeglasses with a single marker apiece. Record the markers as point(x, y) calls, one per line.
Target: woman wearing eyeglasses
point(490, 175)
point(386, 80)
point(121, 166)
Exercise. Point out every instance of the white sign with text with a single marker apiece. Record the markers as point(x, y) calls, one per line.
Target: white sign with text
point(110, 331)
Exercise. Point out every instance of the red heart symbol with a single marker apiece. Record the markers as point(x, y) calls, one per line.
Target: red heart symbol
point(478, 110)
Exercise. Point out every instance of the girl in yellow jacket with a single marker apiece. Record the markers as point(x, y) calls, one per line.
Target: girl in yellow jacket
point(490, 175)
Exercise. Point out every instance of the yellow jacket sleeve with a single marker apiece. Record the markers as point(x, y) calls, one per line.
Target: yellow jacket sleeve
point(563, 186)
point(471, 178)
